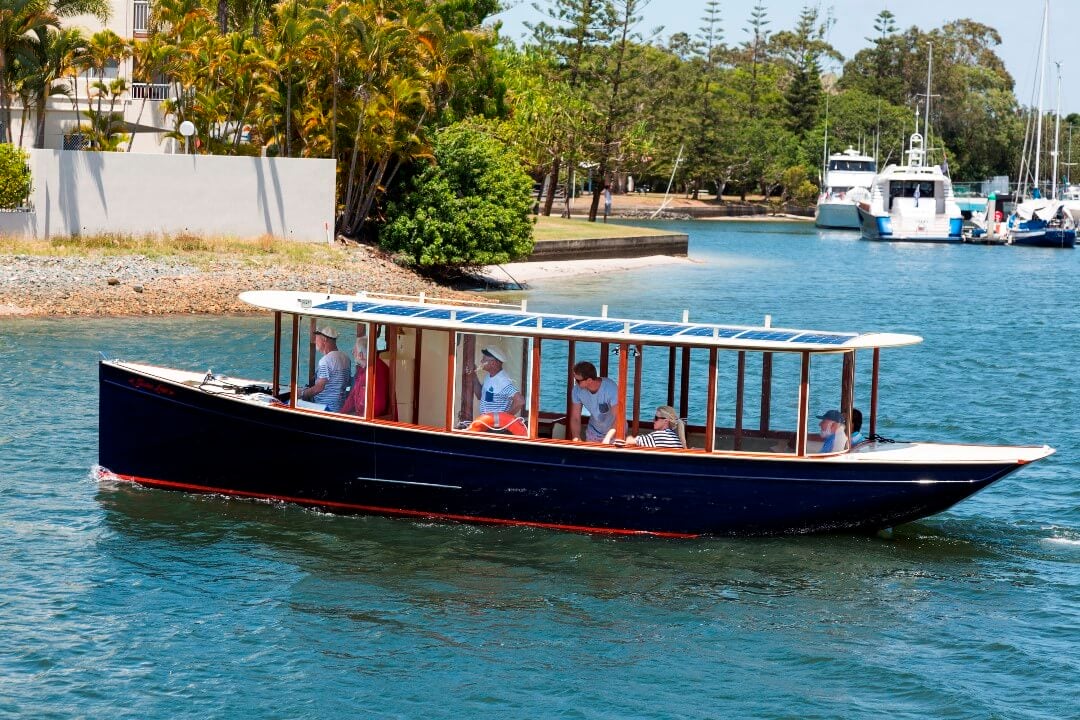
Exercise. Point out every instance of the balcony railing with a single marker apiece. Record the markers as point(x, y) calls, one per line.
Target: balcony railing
point(150, 91)
point(141, 24)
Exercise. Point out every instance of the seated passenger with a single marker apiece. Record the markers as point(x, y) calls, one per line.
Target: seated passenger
point(857, 438)
point(331, 374)
point(600, 396)
point(354, 404)
point(833, 437)
point(497, 393)
point(670, 431)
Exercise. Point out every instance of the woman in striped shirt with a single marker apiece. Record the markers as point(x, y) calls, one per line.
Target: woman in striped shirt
point(669, 431)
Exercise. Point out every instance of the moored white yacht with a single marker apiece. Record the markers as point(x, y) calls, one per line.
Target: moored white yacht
point(912, 202)
point(847, 180)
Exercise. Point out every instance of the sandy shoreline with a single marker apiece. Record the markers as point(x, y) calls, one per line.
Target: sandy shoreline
point(132, 285)
point(533, 274)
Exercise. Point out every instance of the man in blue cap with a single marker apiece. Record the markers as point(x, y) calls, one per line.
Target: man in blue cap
point(833, 437)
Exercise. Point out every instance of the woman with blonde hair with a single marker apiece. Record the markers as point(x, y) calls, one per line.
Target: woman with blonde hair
point(669, 432)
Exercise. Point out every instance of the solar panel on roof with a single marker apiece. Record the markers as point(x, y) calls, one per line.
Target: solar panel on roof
point(558, 322)
point(343, 306)
point(496, 319)
point(608, 326)
point(778, 335)
point(707, 331)
point(657, 329)
point(397, 310)
point(443, 314)
point(333, 305)
point(823, 338)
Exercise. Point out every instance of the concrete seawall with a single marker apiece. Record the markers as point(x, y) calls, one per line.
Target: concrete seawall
point(614, 247)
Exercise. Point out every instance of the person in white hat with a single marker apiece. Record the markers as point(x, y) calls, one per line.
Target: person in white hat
point(497, 393)
point(331, 374)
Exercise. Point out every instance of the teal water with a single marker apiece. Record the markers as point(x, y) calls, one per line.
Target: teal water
point(126, 603)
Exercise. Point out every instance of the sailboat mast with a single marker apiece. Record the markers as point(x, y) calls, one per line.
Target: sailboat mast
point(1042, 83)
point(926, 120)
point(1057, 132)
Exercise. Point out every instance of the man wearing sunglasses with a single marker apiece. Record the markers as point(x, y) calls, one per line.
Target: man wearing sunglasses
point(599, 395)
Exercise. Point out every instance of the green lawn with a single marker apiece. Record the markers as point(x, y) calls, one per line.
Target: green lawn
point(556, 228)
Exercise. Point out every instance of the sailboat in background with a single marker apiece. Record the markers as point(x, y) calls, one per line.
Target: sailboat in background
point(1038, 221)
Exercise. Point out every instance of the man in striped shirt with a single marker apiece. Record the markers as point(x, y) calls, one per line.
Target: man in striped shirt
point(331, 374)
point(497, 393)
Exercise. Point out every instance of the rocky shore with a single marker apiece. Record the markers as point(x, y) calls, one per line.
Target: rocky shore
point(133, 284)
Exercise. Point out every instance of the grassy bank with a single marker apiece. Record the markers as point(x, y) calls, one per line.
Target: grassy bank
point(556, 228)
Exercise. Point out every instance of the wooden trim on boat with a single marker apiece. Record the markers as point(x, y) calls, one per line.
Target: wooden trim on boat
point(766, 390)
point(418, 346)
point(571, 383)
point(740, 391)
point(671, 376)
point(294, 361)
point(276, 387)
point(620, 408)
point(684, 384)
point(804, 406)
point(710, 403)
point(372, 351)
point(637, 389)
point(874, 392)
point(451, 365)
point(311, 351)
point(534, 390)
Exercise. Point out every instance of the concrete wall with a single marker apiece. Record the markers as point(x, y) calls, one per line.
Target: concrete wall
point(80, 193)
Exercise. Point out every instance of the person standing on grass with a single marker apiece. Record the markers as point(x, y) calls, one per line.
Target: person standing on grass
point(607, 201)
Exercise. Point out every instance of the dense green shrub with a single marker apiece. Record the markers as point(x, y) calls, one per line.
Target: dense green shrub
point(15, 181)
point(470, 207)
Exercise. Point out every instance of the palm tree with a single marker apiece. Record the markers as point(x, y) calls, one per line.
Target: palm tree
point(18, 20)
point(104, 46)
point(56, 53)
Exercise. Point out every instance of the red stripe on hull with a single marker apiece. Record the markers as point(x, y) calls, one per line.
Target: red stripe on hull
point(376, 510)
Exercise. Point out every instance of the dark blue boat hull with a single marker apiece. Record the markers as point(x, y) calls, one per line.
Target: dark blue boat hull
point(171, 436)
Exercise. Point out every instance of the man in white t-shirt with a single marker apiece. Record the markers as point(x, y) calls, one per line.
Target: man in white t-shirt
point(600, 396)
point(497, 393)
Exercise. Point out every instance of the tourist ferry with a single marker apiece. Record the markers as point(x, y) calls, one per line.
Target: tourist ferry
point(753, 463)
point(912, 202)
point(847, 180)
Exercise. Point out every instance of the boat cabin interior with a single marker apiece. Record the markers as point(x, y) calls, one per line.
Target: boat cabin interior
point(733, 399)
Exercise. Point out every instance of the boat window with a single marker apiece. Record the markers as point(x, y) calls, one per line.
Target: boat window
point(831, 377)
point(757, 406)
point(906, 188)
point(852, 165)
point(491, 383)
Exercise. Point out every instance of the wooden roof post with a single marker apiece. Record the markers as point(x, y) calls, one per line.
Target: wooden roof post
point(277, 354)
point(710, 403)
point(620, 409)
point(637, 388)
point(534, 390)
point(804, 406)
point(874, 393)
point(294, 360)
point(451, 348)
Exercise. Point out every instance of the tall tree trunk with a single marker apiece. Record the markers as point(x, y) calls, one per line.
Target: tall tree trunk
point(553, 180)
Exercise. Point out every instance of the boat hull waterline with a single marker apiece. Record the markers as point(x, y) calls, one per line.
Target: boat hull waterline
point(220, 445)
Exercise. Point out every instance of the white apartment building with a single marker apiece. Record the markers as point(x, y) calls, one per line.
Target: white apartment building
point(141, 105)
